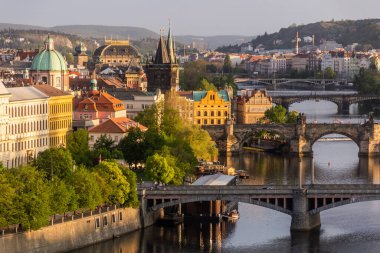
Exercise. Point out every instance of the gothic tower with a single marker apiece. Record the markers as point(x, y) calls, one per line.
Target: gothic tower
point(163, 72)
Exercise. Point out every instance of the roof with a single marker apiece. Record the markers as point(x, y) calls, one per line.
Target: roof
point(116, 50)
point(117, 125)
point(99, 101)
point(215, 179)
point(49, 60)
point(3, 90)
point(162, 56)
point(25, 93)
point(198, 95)
point(50, 90)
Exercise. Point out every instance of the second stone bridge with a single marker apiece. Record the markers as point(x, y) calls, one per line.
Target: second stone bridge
point(300, 137)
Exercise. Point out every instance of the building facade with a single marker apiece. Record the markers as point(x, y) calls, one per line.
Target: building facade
point(114, 128)
point(60, 114)
point(183, 102)
point(25, 123)
point(116, 53)
point(251, 106)
point(211, 107)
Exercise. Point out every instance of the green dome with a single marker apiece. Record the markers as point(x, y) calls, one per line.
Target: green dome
point(49, 59)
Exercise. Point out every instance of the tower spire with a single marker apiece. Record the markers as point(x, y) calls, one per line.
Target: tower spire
point(170, 46)
point(162, 56)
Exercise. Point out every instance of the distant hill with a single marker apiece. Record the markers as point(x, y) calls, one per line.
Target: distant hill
point(215, 41)
point(365, 32)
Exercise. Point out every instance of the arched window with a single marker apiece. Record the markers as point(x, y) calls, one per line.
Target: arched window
point(204, 113)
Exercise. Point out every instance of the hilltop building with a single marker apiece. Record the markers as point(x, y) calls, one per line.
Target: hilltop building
point(80, 55)
point(49, 67)
point(163, 72)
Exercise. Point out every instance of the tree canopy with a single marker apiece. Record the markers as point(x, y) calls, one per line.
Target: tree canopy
point(278, 114)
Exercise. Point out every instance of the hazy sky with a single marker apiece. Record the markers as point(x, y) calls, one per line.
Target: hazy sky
point(196, 17)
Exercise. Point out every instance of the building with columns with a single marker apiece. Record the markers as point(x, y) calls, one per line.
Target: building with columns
point(25, 124)
point(49, 67)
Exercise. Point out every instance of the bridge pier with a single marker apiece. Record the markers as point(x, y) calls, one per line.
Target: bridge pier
point(301, 219)
point(344, 108)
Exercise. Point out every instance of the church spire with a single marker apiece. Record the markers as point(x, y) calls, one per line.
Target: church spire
point(162, 53)
point(170, 46)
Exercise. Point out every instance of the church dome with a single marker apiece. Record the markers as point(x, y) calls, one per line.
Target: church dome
point(49, 59)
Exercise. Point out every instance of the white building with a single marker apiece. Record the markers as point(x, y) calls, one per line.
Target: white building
point(23, 123)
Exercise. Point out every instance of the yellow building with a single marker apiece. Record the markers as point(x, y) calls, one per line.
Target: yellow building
point(60, 114)
point(251, 106)
point(211, 107)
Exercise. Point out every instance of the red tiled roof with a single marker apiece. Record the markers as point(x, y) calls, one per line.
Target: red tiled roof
point(117, 125)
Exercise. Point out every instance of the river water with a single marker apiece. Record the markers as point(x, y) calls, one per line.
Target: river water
point(350, 228)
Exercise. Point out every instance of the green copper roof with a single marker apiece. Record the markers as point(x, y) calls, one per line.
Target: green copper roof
point(198, 95)
point(49, 60)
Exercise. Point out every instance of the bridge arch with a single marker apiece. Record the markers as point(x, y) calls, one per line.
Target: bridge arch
point(347, 201)
point(247, 200)
point(311, 98)
point(315, 138)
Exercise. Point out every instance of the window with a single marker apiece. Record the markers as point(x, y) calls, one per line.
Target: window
point(116, 138)
point(212, 113)
point(105, 222)
point(219, 121)
point(91, 138)
point(199, 121)
point(58, 81)
point(199, 113)
point(120, 216)
point(212, 122)
point(113, 218)
point(204, 113)
point(97, 223)
point(205, 121)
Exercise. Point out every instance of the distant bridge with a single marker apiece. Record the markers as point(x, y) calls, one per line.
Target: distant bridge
point(277, 82)
point(342, 101)
point(303, 203)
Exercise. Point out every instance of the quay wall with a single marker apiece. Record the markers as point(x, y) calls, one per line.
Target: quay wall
point(74, 234)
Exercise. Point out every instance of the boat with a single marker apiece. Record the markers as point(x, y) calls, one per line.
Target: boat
point(233, 215)
point(242, 174)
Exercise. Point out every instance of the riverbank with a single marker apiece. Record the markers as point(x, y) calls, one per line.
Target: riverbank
point(78, 233)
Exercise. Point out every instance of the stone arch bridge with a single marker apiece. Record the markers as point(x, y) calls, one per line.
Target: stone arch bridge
point(342, 101)
point(303, 203)
point(300, 137)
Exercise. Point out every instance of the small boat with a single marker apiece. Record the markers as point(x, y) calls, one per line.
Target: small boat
point(233, 215)
point(242, 174)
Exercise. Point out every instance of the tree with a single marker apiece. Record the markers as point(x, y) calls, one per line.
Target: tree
point(63, 197)
point(55, 162)
point(69, 58)
point(77, 144)
point(132, 197)
point(104, 141)
point(32, 201)
point(329, 73)
point(113, 176)
point(205, 85)
point(7, 200)
point(133, 146)
point(158, 169)
point(277, 114)
point(227, 64)
point(86, 186)
point(105, 148)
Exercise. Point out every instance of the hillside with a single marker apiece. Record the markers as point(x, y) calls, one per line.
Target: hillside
point(365, 32)
point(215, 41)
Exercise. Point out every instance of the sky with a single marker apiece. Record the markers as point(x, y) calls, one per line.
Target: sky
point(188, 17)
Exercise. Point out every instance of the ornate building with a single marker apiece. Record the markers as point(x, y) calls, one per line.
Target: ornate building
point(60, 114)
point(80, 55)
point(251, 106)
point(24, 115)
point(50, 67)
point(211, 107)
point(135, 77)
point(116, 53)
point(163, 73)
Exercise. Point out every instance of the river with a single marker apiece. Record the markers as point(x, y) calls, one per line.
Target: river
point(350, 228)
